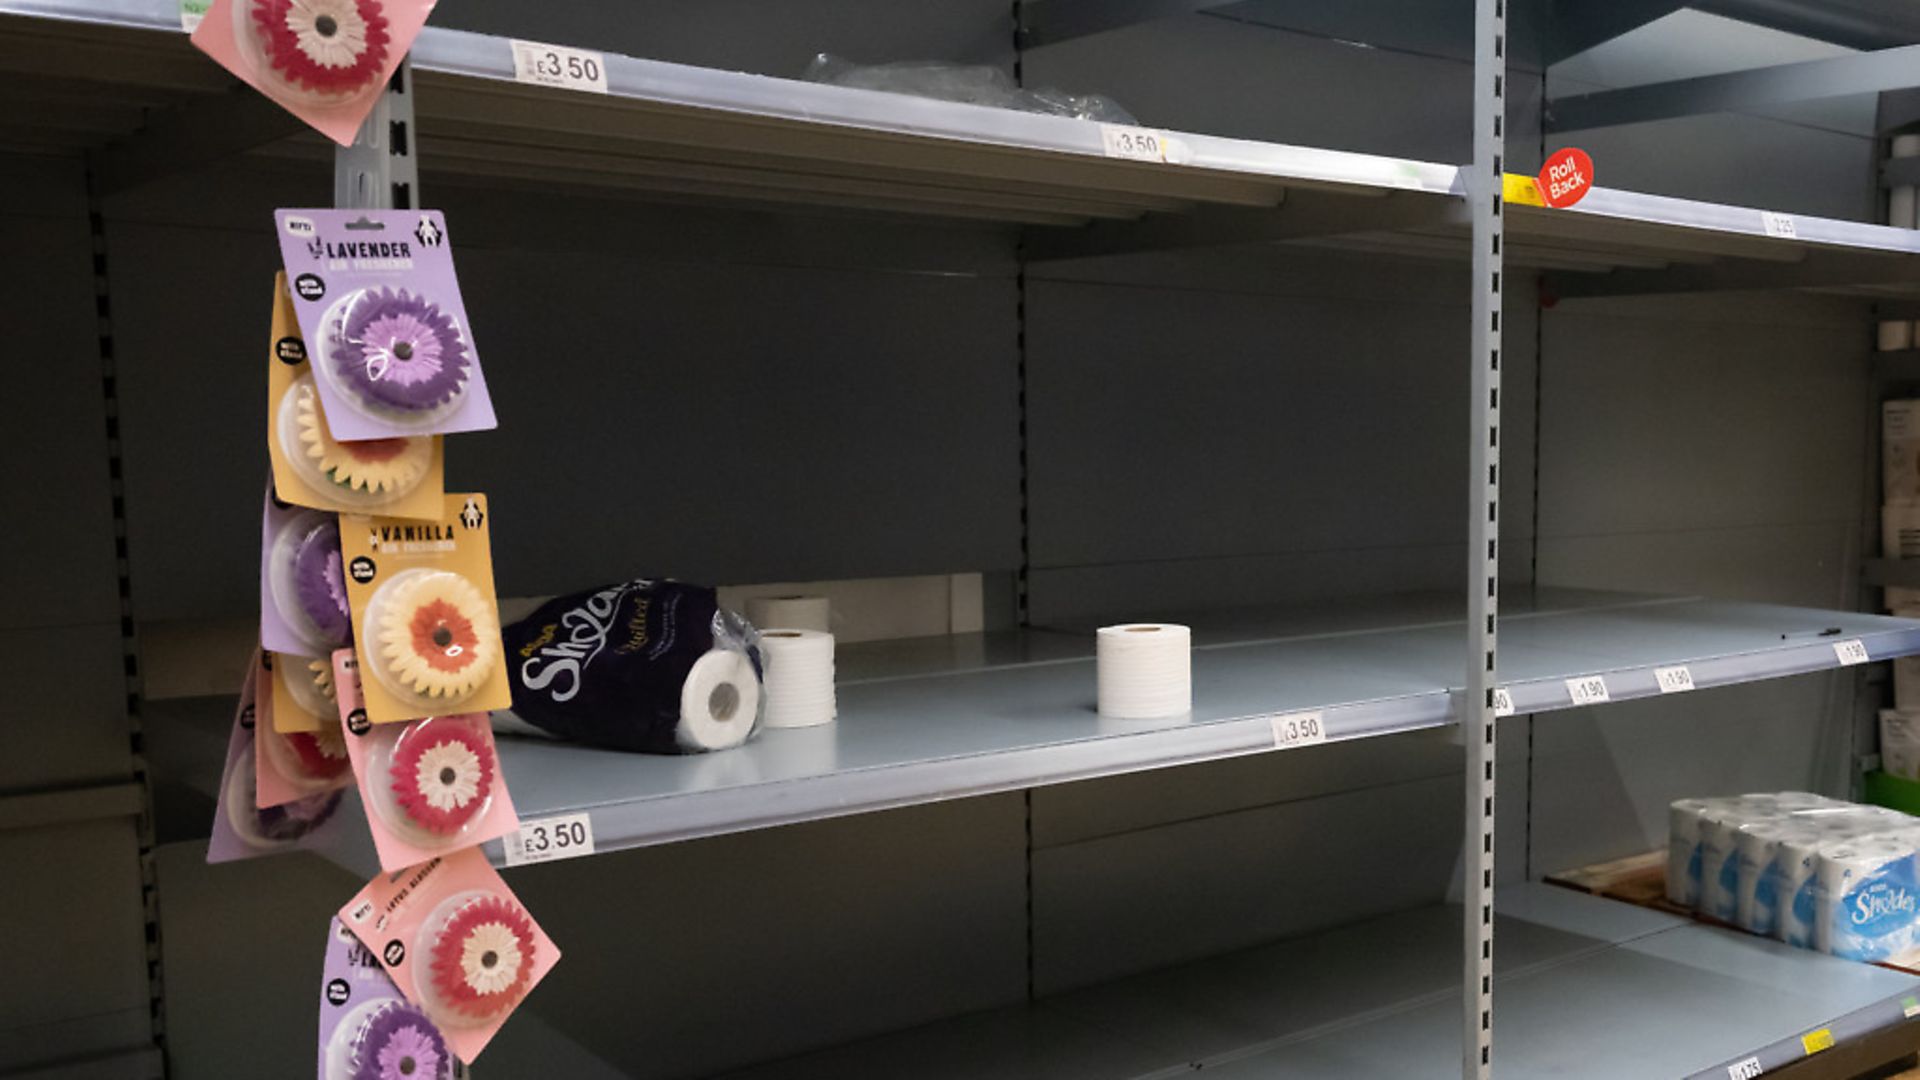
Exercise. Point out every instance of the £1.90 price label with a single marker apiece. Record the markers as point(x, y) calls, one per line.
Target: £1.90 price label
point(1673, 680)
point(1132, 143)
point(557, 65)
point(1298, 729)
point(1502, 701)
point(1850, 652)
point(1588, 690)
point(546, 839)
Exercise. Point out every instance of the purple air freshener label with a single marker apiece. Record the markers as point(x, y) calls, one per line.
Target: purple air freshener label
point(379, 305)
point(368, 1030)
point(303, 590)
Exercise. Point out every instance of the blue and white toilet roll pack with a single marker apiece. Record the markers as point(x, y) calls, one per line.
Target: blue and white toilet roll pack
point(1866, 898)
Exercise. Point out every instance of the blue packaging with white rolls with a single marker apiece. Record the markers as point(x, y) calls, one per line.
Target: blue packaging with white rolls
point(649, 666)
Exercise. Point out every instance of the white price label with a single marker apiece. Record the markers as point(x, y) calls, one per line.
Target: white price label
point(1588, 690)
point(564, 836)
point(1298, 729)
point(1502, 702)
point(1850, 652)
point(1673, 680)
point(1780, 225)
point(1745, 1070)
point(1132, 143)
point(557, 65)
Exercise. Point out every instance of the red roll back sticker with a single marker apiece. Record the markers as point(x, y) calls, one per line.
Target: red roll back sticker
point(1566, 177)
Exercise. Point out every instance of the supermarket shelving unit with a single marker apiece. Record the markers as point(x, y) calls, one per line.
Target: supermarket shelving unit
point(942, 718)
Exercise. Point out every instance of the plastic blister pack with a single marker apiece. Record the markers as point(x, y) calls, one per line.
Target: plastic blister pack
point(325, 61)
point(305, 583)
point(972, 84)
point(268, 828)
point(394, 355)
point(650, 666)
point(456, 942)
point(367, 474)
point(432, 781)
point(433, 637)
point(367, 1030)
point(480, 952)
point(307, 761)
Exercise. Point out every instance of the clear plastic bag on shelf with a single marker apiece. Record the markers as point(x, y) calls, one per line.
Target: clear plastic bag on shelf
point(971, 84)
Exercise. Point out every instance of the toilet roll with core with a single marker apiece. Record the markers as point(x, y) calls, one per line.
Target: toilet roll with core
point(1144, 670)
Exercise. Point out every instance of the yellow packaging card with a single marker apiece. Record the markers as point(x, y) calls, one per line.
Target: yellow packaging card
point(425, 622)
point(301, 700)
point(395, 477)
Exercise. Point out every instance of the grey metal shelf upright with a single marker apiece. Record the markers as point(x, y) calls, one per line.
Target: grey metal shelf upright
point(952, 717)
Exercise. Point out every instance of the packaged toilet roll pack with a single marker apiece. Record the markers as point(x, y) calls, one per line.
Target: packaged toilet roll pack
point(646, 665)
point(1814, 872)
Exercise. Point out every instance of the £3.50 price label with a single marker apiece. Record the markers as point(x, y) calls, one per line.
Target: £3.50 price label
point(1588, 690)
point(1298, 729)
point(1673, 680)
point(1133, 143)
point(557, 65)
point(1850, 652)
point(546, 839)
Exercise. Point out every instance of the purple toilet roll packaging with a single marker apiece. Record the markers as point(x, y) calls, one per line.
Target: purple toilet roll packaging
point(387, 334)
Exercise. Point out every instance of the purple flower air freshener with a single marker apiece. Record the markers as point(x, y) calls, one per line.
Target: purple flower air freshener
point(396, 353)
point(391, 341)
point(320, 584)
point(400, 1043)
point(303, 586)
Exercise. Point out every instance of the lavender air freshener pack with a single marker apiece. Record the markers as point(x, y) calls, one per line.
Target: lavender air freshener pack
point(387, 335)
point(648, 666)
point(368, 1031)
point(303, 588)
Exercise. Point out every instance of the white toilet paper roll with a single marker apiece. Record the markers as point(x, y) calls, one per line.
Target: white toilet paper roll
point(719, 702)
point(1895, 334)
point(799, 677)
point(1144, 670)
point(1759, 890)
point(1900, 742)
point(789, 613)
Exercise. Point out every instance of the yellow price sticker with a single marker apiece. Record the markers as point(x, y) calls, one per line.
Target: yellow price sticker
point(1816, 1041)
point(1524, 190)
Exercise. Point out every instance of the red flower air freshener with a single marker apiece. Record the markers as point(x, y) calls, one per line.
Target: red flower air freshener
point(457, 943)
point(324, 61)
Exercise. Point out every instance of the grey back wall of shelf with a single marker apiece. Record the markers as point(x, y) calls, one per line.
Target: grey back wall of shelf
point(1714, 445)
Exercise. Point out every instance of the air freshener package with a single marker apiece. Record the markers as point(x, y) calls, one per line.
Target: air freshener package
point(426, 625)
point(324, 61)
point(368, 1031)
point(293, 765)
point(387, 336)
point(430, 786)
point(303, 590)
point(241, 828)
point(400, 477)
point(297, 692)
point(646, 665)
point(456, 941)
